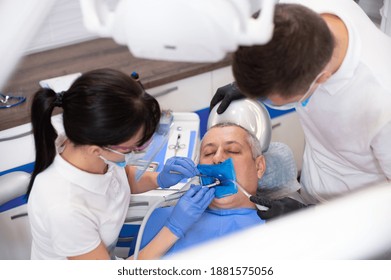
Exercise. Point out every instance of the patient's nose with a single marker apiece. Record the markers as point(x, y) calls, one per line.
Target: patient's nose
point(219, 156)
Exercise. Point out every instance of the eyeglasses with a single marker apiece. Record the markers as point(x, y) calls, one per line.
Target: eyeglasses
point(8, 101)
point(130, 149)
point(133, 156)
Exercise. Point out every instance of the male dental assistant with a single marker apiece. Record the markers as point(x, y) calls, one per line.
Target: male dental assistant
point(332, 64)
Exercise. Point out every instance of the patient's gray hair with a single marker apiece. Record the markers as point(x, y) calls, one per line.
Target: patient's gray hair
point(254, 143)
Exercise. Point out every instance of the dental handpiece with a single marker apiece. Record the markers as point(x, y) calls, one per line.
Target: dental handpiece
point(179, 194)
point(198, 175)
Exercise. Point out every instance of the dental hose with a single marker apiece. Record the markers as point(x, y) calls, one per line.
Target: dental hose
point(142, 226)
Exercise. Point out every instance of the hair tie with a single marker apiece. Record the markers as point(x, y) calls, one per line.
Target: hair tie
point(59, 99)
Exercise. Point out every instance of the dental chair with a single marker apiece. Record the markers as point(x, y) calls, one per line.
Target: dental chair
point(15, 237)
point(280, 179)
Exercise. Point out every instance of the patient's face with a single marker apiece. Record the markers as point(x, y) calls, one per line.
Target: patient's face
point(221, 143)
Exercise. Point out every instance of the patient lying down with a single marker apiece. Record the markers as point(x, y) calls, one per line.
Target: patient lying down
point(228, 214)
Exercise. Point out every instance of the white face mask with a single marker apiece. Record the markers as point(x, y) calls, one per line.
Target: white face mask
point(303, 100)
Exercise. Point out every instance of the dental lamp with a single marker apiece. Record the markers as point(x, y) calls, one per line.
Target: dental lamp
point(176, 30)
point(180, 30)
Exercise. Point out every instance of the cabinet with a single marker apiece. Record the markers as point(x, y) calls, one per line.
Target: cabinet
point(221, 77)
point(186, 95)
point(192, 94)
point(15, 241)
point(17, 146)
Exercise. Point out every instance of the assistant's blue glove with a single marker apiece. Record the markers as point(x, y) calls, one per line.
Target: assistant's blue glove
point(176, 169)
point(189, 209)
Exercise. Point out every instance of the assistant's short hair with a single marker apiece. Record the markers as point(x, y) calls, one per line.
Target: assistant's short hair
point(301, 46)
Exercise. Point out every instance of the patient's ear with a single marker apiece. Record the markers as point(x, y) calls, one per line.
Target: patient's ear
point(260, 165)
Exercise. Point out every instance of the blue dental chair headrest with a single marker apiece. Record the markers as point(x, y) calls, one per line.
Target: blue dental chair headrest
point(280, 177)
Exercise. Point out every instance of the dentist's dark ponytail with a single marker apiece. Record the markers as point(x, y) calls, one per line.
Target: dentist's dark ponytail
point(44, 133)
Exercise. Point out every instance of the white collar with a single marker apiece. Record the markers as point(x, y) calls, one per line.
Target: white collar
point(96, 183)
point(348, 67)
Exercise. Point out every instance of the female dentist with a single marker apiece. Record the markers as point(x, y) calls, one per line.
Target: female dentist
point(79, 190)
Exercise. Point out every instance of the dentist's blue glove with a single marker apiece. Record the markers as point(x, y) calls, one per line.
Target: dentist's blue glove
point(176, 169)
point(189, 209)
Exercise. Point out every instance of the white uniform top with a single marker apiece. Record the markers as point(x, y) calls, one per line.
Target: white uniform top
point(72, 211)
point(347, 122)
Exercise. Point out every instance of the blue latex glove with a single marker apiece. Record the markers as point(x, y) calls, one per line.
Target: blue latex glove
point(189, 209)
point(182, 167)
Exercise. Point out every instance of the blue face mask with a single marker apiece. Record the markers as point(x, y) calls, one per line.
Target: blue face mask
point(118, 163)
point(225, 172)
point(303, 100)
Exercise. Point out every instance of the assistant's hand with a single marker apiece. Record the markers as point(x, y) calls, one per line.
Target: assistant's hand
point(189, 209)
point(176, 169)
point(277, 208)
point(226, 94)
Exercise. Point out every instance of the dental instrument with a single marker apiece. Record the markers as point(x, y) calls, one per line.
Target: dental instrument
point(225, 172)
point(260, 207)
point(177, 146)
point(200, 175)
point(179, 194)
point(8, 101)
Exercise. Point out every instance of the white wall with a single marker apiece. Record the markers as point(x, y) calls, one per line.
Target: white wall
point(63, 26)
point(372, 8)
point(386, 20)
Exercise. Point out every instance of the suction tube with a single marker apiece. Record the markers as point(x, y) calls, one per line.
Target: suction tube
point(260, 207)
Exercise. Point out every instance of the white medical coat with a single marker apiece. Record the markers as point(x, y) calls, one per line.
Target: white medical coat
point(347, 122)
point(72, 211)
